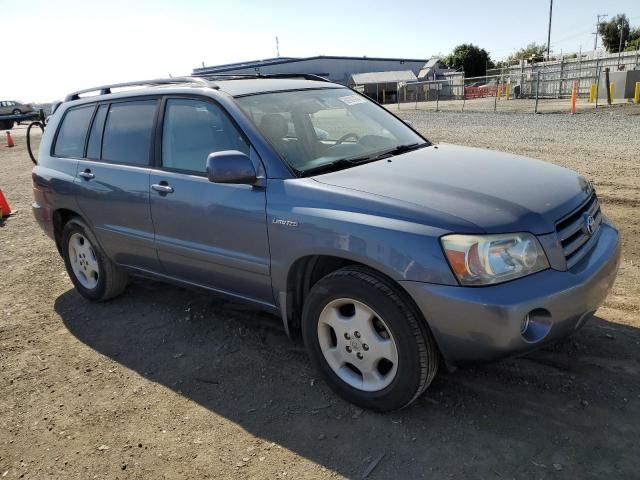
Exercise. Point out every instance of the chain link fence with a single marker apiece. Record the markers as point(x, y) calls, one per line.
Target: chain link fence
point(545, 87)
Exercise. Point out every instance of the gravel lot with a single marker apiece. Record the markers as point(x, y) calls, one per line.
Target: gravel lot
point(169, 383)
point(522, 105)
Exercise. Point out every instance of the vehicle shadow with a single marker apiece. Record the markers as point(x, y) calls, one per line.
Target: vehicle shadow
point(536, 416)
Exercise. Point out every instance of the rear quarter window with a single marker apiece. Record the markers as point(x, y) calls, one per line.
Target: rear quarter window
point(73, 132)
point(128, 132)
point(95, 136)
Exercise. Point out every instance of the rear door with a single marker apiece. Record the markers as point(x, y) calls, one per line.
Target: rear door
point(214, 235)
point(113, 181)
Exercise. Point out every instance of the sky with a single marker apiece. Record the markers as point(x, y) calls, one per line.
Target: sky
point(53, 47)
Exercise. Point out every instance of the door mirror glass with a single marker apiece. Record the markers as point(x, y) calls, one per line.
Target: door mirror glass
point(230, 166)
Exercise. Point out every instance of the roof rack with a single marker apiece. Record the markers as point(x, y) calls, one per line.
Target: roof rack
point(106, 89)
point(241, 76)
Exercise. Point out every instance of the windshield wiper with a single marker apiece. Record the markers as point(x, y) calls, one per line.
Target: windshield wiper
point(387, 153)
point(349, 162)
point(330, 167)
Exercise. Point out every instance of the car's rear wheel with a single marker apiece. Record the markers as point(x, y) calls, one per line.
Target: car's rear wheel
point(367, 340)
point(94, 275)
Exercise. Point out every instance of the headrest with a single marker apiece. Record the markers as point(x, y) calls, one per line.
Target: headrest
point(274, 126)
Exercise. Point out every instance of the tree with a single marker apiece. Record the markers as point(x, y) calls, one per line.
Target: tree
point(473, 60)
point(534, 50)
point(610, 32)
point(634, 40)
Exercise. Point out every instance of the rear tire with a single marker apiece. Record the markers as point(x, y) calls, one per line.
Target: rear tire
point(93, 274)
point(368, 340)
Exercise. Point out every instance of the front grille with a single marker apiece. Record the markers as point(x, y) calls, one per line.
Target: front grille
point(572, 232)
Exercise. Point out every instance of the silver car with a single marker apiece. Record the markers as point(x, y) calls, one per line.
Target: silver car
point(11, 107)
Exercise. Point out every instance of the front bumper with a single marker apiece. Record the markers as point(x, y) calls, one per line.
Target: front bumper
point(472, 324)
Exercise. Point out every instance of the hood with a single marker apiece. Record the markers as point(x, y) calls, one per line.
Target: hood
point(497, 192)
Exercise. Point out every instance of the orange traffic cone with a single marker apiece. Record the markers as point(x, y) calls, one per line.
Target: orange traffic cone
point(5, 209)
point(10, 140)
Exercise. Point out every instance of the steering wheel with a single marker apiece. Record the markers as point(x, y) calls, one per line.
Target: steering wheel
point(345, 136)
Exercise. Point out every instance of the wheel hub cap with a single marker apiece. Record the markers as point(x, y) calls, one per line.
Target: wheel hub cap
point(83, 261)
point(357, 344)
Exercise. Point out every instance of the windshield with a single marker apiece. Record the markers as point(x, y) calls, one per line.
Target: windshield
point(321, 130)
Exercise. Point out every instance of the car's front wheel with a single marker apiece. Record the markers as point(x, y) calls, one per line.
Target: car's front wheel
point(93, 274)
point(367, 340)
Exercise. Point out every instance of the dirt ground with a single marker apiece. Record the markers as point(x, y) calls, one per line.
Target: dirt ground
point(170, 383)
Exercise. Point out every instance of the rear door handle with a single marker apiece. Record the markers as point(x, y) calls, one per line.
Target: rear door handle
point(162, 187)
point(87, 175)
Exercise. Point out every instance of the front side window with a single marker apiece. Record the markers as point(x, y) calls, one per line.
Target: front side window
point(73, 132)
point(316, 129)
point(192, 130)
point(128, 132)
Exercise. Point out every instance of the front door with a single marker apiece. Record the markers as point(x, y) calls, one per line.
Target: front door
point(208, 234)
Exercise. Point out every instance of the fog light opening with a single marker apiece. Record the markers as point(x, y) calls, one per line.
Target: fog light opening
point(535, 325)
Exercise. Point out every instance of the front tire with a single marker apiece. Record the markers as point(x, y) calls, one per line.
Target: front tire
point(367, 340)
point(94, 275)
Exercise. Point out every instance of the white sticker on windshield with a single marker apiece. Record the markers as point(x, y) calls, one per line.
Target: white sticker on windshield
point(352, 99)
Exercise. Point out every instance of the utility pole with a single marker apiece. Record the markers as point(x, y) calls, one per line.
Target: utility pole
point(549, 34)
point(277, 46)
point(595, 42)
point(621, 34)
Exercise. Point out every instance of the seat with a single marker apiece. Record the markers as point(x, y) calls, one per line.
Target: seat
point(275, 127)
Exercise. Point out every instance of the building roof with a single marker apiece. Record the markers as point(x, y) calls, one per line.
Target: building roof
point(283, 60)
point(383, 77)
point(252, 86)
point(435, 66)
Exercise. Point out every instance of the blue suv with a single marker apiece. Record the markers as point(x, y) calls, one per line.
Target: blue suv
point(391, 255)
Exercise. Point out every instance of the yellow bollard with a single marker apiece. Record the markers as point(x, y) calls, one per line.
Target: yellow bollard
point(508, 89)
point(612, 90)
point(636, 97)
point(592, 93)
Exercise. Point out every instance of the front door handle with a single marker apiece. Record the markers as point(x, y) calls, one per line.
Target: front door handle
point(87, 175)
point(162, 187)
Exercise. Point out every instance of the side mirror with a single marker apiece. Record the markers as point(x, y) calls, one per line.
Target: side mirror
point(230, 166)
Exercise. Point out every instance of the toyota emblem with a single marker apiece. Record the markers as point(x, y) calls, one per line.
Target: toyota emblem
point(589, 224)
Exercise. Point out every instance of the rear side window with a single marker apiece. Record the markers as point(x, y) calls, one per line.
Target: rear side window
point(95, 137)
point(127, 133)
point(73, 132)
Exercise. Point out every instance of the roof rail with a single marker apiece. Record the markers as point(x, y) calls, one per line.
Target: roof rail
point(240, 76)
point(106, 89)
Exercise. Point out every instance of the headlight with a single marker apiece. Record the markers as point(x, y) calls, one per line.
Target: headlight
point(489, 259)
